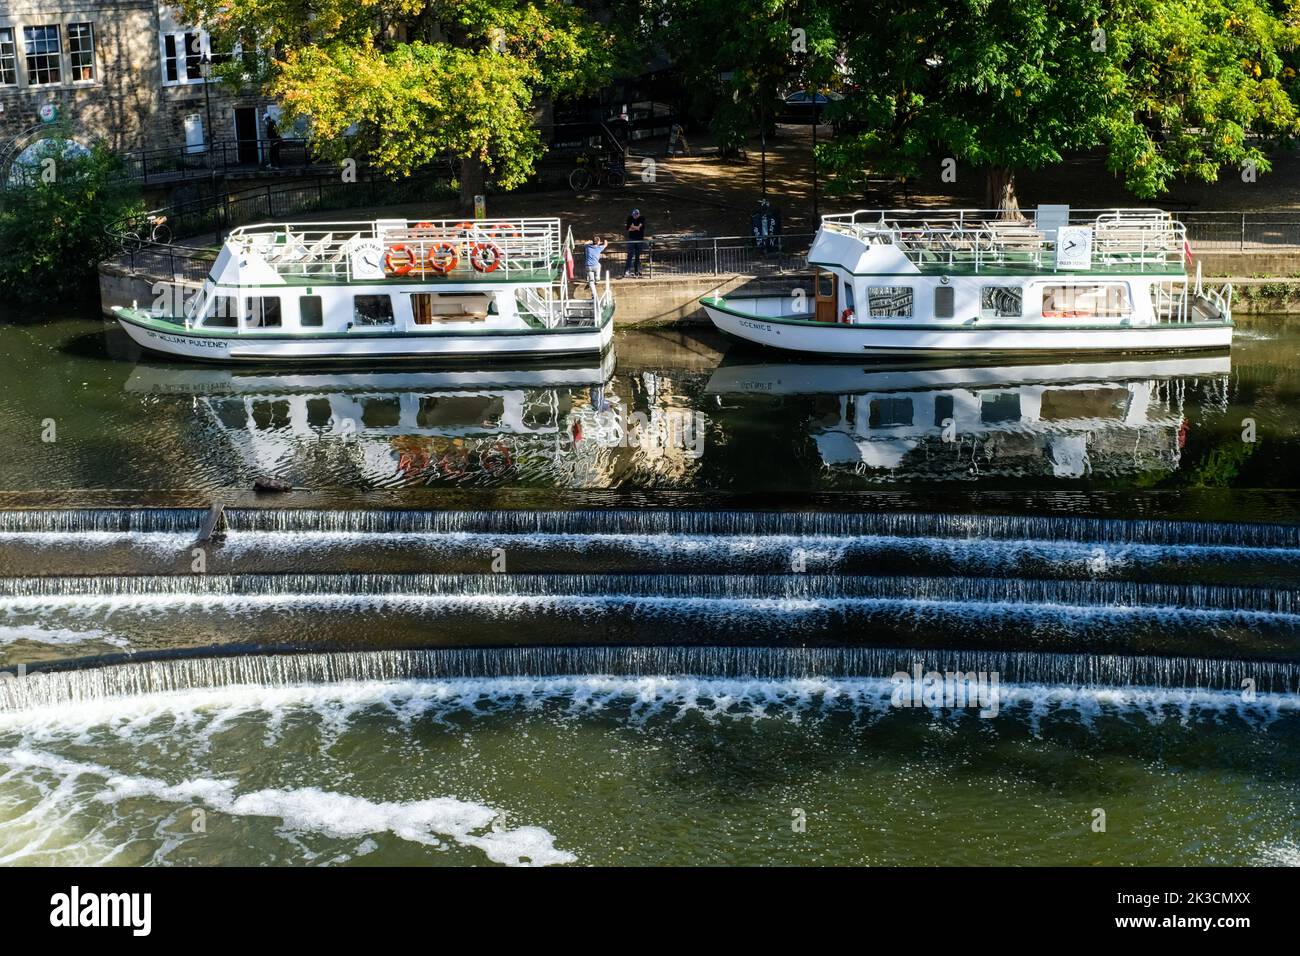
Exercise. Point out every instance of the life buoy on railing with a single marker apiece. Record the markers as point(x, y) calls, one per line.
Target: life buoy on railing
point(391, 253)
point(443, 257)
point(568, 264)
point(485, 256)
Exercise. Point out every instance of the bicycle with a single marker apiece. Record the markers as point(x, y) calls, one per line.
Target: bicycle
point(589, 173)
point(151, 230)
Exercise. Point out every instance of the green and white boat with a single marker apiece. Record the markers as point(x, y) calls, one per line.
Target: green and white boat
point(385, 290)
point(967, 281)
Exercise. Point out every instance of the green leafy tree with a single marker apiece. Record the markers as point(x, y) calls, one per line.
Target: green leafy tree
point(404, 82)
point(1203, 85)
point(1169, 87)
point(55, 215)
point(737, 57)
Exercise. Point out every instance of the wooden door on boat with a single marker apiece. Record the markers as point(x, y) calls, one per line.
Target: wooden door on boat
point(827, 300)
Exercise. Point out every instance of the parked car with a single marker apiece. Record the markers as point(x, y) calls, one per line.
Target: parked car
point(798, 107)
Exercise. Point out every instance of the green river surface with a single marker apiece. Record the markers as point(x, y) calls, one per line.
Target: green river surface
point(1125, 519)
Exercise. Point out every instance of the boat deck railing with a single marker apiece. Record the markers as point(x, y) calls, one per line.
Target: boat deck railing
point(496, 249)
point(1142, 240)
point(555, 308)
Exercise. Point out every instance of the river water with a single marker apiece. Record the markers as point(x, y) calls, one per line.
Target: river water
point(650, 608)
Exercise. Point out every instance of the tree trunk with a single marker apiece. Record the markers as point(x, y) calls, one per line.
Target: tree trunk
point(473, 182)
point(1000, 192)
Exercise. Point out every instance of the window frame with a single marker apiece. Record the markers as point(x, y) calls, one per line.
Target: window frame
point(1125, 310)
point(392, 312)
point(254, 312)
point(11, 57)
point(230, 319)
point(948, 292)
point(32, 71)
point(89, 51)
point(991, 312)
point(875, 292)
point(182, 58)
point(319, 317)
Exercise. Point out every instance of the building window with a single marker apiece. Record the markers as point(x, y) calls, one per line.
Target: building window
point(889, 301)
point(182, 57)
point(1001, 301)
point(81, 52)
point(41, 44)
point(8, 58)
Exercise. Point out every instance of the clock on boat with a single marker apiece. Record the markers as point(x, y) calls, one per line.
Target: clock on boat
point(961, 280)
point(386, 290)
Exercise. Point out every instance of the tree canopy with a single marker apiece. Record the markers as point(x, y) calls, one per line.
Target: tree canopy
point(403, 82)
point(1168, 87)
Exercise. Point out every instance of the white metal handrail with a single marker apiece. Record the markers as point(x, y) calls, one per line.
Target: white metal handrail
point(976, 238)
point(507, 247)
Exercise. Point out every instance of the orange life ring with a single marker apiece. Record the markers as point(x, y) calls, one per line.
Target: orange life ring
point(466, 227)
point(568, 264)
point(486, 256)
point(443, 257)
point(403, 269)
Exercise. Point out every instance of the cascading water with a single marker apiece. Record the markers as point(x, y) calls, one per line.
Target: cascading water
point(1040, 600)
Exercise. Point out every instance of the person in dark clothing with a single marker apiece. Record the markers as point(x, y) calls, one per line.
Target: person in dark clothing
point(275, 139)
point(636, 233)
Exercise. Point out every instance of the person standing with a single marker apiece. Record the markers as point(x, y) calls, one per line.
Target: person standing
point(275, 139)
point(636, 233)
point(594, 250)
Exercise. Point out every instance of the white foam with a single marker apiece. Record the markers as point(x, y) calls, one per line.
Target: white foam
point(312, 810)
point(57, 636)
point(644, 696)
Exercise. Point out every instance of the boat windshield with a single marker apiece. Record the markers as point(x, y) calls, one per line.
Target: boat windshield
point(197, 299)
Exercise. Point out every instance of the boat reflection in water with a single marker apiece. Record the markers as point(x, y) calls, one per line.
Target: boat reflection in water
point(1062, 420)
point(390, 427)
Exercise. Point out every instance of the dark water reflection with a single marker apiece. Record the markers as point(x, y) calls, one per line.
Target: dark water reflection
point(665, 410)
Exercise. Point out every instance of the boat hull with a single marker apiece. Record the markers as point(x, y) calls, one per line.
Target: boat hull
point(167, 339)
point(818, 338)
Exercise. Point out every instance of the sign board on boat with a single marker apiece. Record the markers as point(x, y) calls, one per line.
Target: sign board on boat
point(366, 258)
point(1074, 247)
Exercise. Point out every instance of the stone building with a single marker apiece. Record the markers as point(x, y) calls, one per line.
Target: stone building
point(124, 71)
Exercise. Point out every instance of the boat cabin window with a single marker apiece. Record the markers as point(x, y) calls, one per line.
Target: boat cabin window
point(944, 300)
point(889, 413)
point(262, 312)
point(890, 301)
point(222, 312)
point(1085, 301)
point(428, 308)
point(825, 285)
point(309, 311)
point(372, 309)
point(1002, 301)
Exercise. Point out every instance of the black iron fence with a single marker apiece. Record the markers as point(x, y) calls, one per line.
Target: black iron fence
point(656, 257)
point(1241, 231)
point(183, 239)
point(664, 256)
point(220, 157)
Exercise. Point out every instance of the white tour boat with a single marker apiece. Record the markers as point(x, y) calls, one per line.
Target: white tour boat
point(907, 281)
point(382, 290)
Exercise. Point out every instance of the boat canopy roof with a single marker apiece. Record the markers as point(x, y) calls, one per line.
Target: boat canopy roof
point(1048, 239)
point(530, 251)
